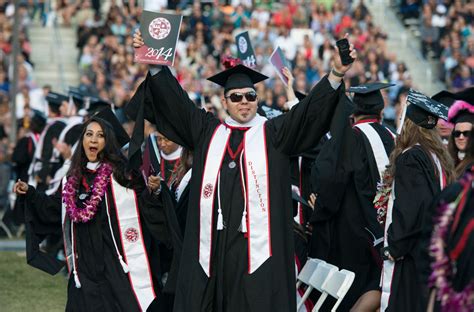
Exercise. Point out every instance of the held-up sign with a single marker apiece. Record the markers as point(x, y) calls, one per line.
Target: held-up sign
point(278, 60)
point(160, 33)
point(245, 50)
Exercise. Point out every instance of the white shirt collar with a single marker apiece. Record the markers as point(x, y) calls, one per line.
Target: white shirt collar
point(93, 165)
point(257, 120)
point(173, 156)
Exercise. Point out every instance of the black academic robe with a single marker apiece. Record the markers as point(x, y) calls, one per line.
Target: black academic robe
point(104, 285)
point(416, 187)
point(22, 156)
point(345, 177)
point(48, 168)
point(230, 287)
point(458, 232)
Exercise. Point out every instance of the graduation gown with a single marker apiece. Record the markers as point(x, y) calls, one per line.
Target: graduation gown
point(416, 187)
point(104, 285)
point(22, 156)
point(230, 288)
point(345, 176)
point(47, 166)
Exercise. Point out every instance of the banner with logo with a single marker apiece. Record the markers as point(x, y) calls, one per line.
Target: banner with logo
point(245, 50)
point(160, 33)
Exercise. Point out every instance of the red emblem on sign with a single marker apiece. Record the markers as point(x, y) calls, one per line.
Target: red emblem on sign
point(159, 28)
point(131, 235)
point(207, 192)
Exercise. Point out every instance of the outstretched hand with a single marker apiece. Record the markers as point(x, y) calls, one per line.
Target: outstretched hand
point(20, 187)
point(138, 39)
point(338, 66)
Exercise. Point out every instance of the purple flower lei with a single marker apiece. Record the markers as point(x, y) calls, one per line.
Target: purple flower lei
point(99, 186)
point(451, 300)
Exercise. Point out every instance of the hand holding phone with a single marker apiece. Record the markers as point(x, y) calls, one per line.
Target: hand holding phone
point(344, 51)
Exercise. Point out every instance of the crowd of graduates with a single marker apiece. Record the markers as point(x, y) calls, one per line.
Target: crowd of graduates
point(163, 191)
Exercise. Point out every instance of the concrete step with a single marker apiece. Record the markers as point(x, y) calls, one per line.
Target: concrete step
point(45, 67)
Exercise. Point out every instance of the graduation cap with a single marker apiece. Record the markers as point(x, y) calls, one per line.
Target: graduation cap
point(94, 104)
point(56, 99)
point(367, 97)
point(237, 77)
point(461, 111)
point(108, 115)
point(448, 98)
point(77, 97)
point(424, 111)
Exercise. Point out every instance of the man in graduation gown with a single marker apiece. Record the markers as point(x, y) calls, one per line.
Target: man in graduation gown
point(346, 175)
point(238, 250)
point(45, 163)
point(170, 153)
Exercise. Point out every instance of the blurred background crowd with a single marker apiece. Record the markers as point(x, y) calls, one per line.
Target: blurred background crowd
point(305, 30)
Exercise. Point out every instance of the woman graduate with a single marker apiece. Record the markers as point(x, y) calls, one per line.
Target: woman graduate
point(419, 169)
point(461, 114)
point(452, 247)
point(109, 249)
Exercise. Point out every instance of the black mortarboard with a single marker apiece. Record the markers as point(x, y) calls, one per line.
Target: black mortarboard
point(38, 118)
point(93, 105)
point(77, 97)
point(367, 97)
point(461, 111)
point(444, 97)
point(448, 98)
point(108, 115)
point(55, 99)
point(424, 111)
point(237, 77)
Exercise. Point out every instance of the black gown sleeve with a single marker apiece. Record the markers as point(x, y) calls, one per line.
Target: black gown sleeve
point(412, 194)
point(22, 153)
point(175, 115)
point(42, 217)
point(52, 133)
point(302, 127)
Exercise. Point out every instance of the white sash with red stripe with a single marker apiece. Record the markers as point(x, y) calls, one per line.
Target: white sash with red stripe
point(133, 245)
point(257, 191)
point(258, 197)
point(215, 155)
point(378, 149)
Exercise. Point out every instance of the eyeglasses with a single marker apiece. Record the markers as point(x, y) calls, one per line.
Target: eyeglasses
point(237, 96)
point(458, 133)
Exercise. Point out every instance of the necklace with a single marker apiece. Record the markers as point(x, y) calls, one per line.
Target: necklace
point(233, 155)
point(443, 266)
point(99, 186)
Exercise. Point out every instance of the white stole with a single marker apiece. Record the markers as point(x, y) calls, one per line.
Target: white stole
point(378, 149)
point(257, 197)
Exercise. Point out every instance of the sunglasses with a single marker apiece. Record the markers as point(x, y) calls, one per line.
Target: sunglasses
point(237, 97)
point(458, 133)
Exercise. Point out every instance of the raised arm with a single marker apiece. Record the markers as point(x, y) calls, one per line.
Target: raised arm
point(303, 126)
point(169, 107)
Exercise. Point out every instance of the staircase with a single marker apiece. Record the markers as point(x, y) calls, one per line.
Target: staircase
point(54, 55)
point(406, 45)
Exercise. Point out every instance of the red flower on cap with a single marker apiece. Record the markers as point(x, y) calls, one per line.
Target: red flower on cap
point(230, 61)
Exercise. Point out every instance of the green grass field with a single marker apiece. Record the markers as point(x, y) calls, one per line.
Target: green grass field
point(24, 288)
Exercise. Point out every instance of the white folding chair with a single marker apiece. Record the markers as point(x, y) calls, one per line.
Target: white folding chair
point(320, 275)
point(307, 271)
point(338, 285)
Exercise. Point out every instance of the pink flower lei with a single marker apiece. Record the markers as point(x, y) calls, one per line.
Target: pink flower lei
point(99, 186)
point(442, 268)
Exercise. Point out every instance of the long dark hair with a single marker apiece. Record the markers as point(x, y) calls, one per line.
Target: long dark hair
point(110, 154)
point(468, 157)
